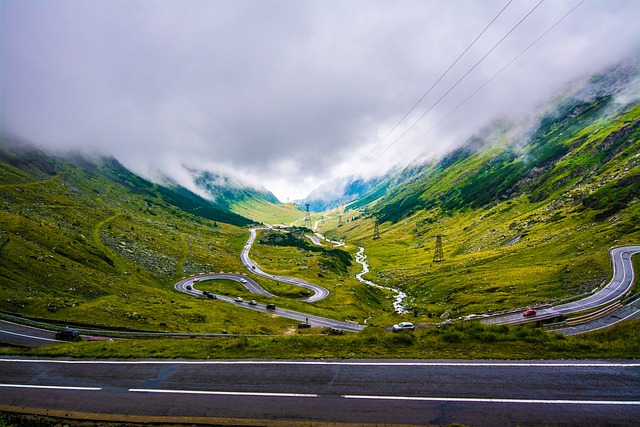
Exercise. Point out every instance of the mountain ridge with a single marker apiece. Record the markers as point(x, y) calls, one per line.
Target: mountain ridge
point(520, 165)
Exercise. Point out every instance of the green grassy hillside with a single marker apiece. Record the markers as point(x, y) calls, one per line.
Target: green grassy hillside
point(268, 212)
point(525, 221)
point(92, 243)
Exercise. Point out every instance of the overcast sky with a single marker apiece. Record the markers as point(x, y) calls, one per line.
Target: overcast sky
point(286, 94)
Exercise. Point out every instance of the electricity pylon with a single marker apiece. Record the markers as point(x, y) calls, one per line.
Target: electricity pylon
point(307, 217)
point(376, 231)
point(438, 253)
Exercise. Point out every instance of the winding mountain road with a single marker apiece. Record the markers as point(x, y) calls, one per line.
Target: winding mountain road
point(319, 292)
point(623, 277)
point(629, 311)
point(618, 287)
point(255, 288)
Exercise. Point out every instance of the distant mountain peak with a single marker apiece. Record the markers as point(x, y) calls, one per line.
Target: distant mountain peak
point(226, 191)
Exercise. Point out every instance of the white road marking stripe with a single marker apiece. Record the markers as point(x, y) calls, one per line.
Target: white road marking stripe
point(222, 393)
point(493, 400)
point(21, 325)
point(54, 387)
point(329, 363)
point(26, 336)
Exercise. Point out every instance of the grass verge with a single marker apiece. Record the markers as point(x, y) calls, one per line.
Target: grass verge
point(461, 341)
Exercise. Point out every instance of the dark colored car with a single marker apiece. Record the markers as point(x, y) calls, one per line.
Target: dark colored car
point(212, 296)
point(271, 306)
point(530, 312)
point(68, 335)
point(304, 325)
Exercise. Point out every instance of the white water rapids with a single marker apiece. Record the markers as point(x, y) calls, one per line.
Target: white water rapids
point(399, 295)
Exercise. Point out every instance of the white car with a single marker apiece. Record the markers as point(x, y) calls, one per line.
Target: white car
point(238, 299)
point(403, 326)
point(243, 281)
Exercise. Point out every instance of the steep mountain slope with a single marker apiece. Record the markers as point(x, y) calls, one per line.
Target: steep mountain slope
point(226, 192)
point(506, 161)
point(244, 199)
point(468, 178)
point(525, 216)
point(173, 195)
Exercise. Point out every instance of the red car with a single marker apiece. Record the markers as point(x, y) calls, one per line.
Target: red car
point(530, 312)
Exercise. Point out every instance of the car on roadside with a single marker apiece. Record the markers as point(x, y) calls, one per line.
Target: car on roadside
point(403, 326)
point(445, 323)
point(238, 299)
point(98, 338)
point(304, 325)
point(68, 334)
point(530, 312)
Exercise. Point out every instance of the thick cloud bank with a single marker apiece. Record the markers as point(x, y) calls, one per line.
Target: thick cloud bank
point(287, 94)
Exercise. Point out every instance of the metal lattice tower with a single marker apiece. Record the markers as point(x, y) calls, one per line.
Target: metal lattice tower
point(307, 216)
point(376, 231)
point(438, 253)
point(339, 220)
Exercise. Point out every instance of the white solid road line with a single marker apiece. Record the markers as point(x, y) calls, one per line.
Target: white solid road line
point(222, 393)
point(490, 400)
point(26, 336)
point(50, 387)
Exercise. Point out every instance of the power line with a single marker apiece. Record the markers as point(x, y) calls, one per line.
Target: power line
point(433, 85)
point(460, 79)
point(500, 71)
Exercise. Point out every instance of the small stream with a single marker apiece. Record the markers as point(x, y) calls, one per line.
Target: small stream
point(399, 295)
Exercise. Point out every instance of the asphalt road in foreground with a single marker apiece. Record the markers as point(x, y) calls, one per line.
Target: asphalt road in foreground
point(479, 393)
